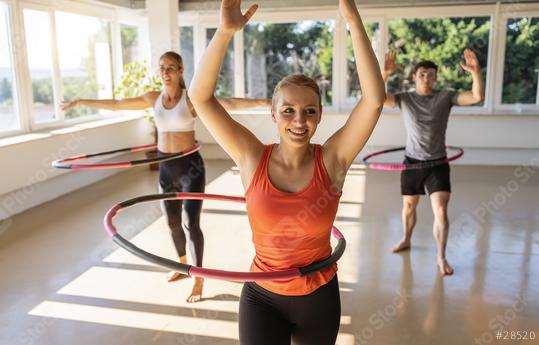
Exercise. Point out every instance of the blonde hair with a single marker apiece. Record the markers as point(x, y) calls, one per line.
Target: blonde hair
point(179, 61)
point(297, 80)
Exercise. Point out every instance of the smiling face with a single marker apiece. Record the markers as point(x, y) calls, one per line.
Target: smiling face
point(170, 70)
point(297, 112)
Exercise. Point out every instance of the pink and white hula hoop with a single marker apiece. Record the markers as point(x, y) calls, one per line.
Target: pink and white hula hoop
point(206, 272)
point(400, 167)
point(65, 163)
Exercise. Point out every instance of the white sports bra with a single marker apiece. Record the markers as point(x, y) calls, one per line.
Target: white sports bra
point(177, 119)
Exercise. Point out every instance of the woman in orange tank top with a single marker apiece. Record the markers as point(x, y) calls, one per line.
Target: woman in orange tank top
point(293, 187)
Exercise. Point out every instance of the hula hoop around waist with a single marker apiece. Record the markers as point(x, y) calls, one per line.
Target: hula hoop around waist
point(65, 163)
point(400, 167)
point(206, 272)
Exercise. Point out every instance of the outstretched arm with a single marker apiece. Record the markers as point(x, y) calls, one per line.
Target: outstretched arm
point(343, 146)
point(471, 65)
point(243, 103)
point(389, 68)
point(137, 103)
point(235, 139)
point(235, 104)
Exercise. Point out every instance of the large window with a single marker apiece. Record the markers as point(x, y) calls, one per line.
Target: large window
point(62, 56)
point(225, 84)
point(130, 43)
point(84, 52)
point(441, 40)
point(9, 119)
point(37, 27)
point(62, 51)
point(187, 50)
point(273, 51)
point(521, 61)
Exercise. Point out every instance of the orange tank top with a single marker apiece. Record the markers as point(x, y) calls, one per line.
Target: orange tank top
point(292, 230)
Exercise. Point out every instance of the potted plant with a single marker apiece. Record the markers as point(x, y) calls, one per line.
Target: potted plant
point(136, 80)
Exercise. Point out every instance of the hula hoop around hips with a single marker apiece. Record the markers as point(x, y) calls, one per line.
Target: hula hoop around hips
point(206, 272)
point(65, 163)
point(400, 167)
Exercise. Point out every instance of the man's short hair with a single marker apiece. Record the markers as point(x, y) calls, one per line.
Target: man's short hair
point(426, 64)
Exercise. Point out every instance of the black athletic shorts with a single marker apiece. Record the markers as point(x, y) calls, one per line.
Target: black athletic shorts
point(435, 179)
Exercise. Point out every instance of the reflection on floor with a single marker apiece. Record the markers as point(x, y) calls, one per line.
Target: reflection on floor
point(62, 278)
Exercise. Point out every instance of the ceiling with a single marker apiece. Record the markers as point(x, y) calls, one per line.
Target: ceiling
point(200, 5)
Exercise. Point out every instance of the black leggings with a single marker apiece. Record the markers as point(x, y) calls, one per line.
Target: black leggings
point(267, 318)
point(186, 174)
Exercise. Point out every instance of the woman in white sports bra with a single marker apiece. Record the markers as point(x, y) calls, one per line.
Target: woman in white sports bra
point(175, 121)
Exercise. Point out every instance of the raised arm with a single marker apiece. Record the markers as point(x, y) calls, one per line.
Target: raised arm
point(471, 65)
point(235, 139)
point(147, 100)
point(389, 68)
point(347, 142)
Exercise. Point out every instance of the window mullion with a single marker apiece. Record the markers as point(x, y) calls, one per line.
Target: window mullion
point(19, 87)
point(57, 77)
point(499, 62)
point(494, 82)
point(239, 73)
point(199, 43)
point(116, 50)
point(339, 64)
point(384, 40)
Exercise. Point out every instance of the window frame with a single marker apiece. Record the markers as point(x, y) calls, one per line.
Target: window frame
point(22, 93)
point(498, 14)
point(343, 105)
point(324, 13)
point(526, 109)
point(237, 45)
point(114, 63)
point(424, 12)
point(184, 25)
point(126, 17)
point(56, 85)
point(203, 20)
point(17, 85)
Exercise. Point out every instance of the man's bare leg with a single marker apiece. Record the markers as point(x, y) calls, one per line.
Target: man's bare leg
point(439, 202)
point(409, 205)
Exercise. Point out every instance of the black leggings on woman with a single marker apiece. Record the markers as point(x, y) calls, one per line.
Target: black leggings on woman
point(186, 174)
point(267, 318)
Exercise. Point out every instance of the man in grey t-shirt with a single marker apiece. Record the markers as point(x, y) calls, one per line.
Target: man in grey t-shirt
point(426, 112)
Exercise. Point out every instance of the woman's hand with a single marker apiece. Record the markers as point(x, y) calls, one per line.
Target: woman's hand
point(232, 19)
point(68, 105)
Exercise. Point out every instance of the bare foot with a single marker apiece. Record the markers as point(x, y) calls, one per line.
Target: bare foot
point(444, 267)
point(196, 292)
point(174, 275)
point(402, 245)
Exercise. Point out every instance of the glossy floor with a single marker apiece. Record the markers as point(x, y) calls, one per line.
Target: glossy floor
point(63, 282)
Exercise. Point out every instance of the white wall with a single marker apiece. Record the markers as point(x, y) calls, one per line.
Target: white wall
point(29, 180)
point(486, 139)
point(27, 176)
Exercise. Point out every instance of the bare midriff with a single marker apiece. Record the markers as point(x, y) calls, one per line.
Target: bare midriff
point(172, 142)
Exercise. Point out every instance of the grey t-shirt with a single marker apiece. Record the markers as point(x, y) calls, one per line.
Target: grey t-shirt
point(425, 119)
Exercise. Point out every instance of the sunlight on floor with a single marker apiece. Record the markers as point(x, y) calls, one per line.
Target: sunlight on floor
point(127, 279)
